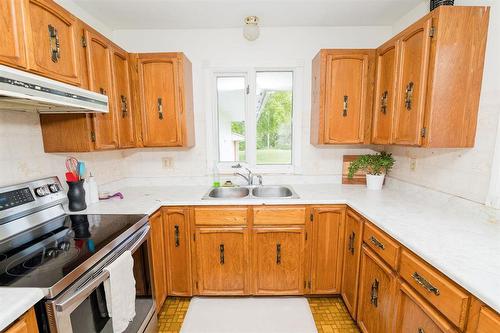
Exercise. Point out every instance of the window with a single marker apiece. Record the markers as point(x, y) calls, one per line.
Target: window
point(254, 112)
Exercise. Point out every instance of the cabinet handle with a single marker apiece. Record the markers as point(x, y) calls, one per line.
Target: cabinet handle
point(426, 284)
point(176, 236)
point(344, 111)
point(383, 102)
point(278, 253)
point(124, 106)
point(377, 243)
point(55, 50)
point(352, 236)
point(102, 91)
point(409, 95)
point(374, 293)
point(160, 108)
point(221, 254)
point(420, 330)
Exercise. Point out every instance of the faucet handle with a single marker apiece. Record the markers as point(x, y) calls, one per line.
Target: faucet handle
point(236, 166)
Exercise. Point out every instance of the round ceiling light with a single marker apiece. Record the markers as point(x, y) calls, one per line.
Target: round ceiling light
point(251, 29)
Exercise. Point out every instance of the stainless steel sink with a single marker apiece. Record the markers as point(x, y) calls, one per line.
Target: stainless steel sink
point(272, 192)
point(251, 192)
point(228, 192)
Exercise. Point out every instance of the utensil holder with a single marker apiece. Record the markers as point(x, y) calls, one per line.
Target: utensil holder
point(76, 196)
point(437, 3)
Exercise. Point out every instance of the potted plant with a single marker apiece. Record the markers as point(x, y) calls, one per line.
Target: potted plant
point(376, 167)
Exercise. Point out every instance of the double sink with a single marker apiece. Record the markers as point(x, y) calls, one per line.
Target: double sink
point(252, 192)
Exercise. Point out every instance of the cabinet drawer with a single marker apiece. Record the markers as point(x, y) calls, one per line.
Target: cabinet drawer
point(435, 288)
point(415, 314)
point(385, 247)
point(220, 216)
point(488, 321)
point(279, 215)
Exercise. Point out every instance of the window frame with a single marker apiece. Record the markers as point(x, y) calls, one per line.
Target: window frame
point(251, 122)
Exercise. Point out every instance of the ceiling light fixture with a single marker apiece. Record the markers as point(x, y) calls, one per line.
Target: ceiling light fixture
point(251, 29)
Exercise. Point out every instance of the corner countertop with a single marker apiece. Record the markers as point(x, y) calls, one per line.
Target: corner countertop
point(15, 302)
point(458, 237)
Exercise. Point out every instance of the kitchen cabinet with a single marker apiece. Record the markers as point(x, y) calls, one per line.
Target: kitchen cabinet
point(352, 256)
point(482, 319)
point(382, 244)
point(278, 260)
point(178, 250)
point(158, 259)
point(12, 26)
point(414, 314)
point(25, 324)
point(376, 294)
point(53, 42)
point(385, 92)
point(327, 249)
point(101, 81)
point(222, 261)
point(123, 105)
point(166, 102)
point(342, 96)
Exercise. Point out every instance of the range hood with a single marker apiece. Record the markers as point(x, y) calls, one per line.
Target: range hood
point(22, 91)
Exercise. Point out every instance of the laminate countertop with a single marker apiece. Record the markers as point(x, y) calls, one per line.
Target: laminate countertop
point(15, 302)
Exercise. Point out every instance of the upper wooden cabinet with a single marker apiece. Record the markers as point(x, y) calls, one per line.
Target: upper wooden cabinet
point(165, 89)
point(341, 96)
point(53, 42)
point(12, 26)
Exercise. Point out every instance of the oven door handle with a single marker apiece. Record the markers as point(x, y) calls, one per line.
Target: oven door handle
point(83, 293)
point(144, 236)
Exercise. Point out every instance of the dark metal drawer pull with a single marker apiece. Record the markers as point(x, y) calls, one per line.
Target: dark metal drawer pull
point(374, 293)
point(409, 95)
point(344, 111)
point(426, 284)
point(278, 253)
point(221, 254)
point(55, 45)
point(102, 91)
point(176, 236)
point(383, 102)
point(420, 330)
point(377, 243)
point(124, 106)
point(352, 236)
point(159, 105)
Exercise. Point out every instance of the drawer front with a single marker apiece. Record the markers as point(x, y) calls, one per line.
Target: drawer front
point(435, 288)
point(415, 314)
point(220, 216)
point(279, 215)
point(488, 321)
point(385, 247)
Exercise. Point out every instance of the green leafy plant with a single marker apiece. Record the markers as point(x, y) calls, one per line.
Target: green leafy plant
point(376, 164)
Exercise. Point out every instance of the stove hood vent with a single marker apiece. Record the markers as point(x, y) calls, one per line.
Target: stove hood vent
point(22, 91)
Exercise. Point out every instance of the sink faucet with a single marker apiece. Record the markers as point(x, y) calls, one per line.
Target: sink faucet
point(249, 177)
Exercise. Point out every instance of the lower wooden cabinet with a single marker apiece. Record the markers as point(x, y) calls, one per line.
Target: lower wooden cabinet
point(158, 259)
point(178, 250)
point(222, 261)
point(278, 260)
point(376, 294)
point(327, 249)
point(352, 255)
point(25, 324)
point(415, 314)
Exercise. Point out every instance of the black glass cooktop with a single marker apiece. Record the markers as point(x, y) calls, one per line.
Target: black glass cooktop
point(43, 261)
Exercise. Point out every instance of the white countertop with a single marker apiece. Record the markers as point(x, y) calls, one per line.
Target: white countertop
point(15, 302)
point(458, 237)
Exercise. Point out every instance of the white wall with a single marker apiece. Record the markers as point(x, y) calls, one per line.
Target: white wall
point(462, 172)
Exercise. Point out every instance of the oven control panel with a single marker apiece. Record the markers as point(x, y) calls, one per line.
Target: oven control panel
point(15, 198)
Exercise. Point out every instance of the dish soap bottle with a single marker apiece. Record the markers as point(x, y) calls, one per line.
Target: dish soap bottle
point(216, 176)
point(94, 191)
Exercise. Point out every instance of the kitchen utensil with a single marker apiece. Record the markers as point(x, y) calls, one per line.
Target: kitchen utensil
point(80, 169)
point(106, 195)
point(71, 165)
point(71, 177)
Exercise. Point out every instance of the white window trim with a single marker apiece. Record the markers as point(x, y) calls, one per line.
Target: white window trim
point(212, 119)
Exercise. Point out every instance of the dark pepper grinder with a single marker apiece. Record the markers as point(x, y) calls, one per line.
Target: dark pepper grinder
point(76, 196)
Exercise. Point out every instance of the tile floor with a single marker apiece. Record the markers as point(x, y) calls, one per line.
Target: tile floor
point(330, 315)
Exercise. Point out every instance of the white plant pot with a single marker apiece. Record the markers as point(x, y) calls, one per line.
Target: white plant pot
point(374, 182)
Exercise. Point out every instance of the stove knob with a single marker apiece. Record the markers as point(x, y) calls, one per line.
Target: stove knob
point(41, 191)
point(52, 253)
point(54, 188)
point(64, 246)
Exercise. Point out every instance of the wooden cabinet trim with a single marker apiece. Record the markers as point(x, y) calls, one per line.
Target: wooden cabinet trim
point(279, 215)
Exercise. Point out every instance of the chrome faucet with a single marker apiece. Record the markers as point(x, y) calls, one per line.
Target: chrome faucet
point(250, 175)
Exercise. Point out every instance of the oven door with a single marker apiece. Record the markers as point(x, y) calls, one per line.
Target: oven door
point(82, 308)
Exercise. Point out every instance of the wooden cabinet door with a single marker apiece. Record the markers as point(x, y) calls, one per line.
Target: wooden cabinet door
point(12, 26)
point(412, 84)
point(176, 229)
point(376, 294)
point(160, 107)
point(278, 259)
point(327, 249)
point(352, 255)
point(158, 259)
point(414, 314)
point(26, 324)
point(346, 93)
point(221, 260)
point(53, 41)
point(122, 99)
point(100, 81)
point(385, 93)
